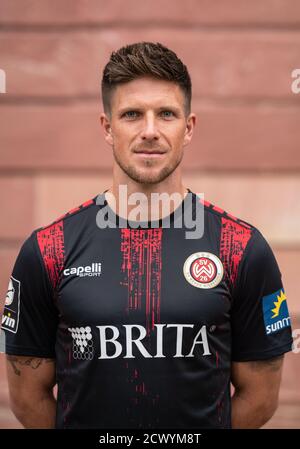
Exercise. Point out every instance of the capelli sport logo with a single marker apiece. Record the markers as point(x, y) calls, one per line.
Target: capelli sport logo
point(11, 313)
point(89, 270)
point(276, 314)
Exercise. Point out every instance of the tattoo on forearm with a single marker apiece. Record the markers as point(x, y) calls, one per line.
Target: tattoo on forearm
point(273, 364)
point(32, 362)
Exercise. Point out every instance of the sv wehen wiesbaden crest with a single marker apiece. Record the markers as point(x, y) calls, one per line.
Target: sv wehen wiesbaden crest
point(203, 270)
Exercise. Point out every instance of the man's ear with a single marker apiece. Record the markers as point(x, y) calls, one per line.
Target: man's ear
point(190, 124)
point(105, 123)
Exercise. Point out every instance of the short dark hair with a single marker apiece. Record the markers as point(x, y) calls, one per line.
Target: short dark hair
point(144, 59)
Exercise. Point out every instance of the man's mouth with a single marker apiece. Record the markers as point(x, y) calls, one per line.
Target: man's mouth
point(150, 153)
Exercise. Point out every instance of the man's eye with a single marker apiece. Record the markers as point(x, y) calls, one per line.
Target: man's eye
point(130, 114)
point(168, 113)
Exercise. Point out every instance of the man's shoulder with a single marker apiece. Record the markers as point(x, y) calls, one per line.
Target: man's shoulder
point(226, 217)
point(231, 222)
point(240, 243)
point(237, 236)
point(47, 243)
point(58, 223)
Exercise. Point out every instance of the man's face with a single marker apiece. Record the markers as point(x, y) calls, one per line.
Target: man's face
point(147, 116)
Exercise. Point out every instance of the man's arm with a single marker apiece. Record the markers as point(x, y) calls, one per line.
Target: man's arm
point(31, 381)
point(255, 399)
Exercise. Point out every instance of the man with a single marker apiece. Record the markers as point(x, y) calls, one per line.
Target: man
point(140, 326)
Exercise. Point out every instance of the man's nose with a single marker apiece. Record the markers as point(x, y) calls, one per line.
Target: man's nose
point(150, 128)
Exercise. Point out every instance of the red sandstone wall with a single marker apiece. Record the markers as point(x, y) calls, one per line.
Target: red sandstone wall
point(245, 155)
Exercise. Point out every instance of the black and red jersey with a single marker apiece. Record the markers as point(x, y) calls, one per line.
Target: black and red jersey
point(143, 322)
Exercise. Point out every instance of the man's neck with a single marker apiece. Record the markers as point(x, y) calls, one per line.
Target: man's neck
point(152, 204)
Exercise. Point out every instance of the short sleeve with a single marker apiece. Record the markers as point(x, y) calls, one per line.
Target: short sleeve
point(30, 317)
point(260, 320)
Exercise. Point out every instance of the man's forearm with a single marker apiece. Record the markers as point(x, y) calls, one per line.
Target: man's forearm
point(255, 399)
point(31, 382)
point(248, 414)
point(39, 413)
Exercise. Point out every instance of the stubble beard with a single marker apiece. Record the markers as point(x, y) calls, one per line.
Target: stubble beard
point(148, 178)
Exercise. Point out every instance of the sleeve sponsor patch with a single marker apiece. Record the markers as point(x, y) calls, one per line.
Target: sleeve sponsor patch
point(276, 314)
point(10, 317)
